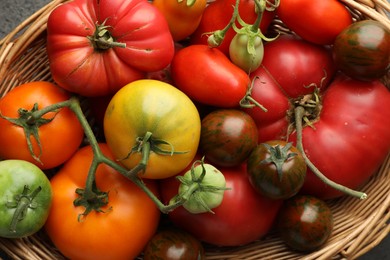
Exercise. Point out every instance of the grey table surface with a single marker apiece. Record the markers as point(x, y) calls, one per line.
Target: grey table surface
point(13, 12)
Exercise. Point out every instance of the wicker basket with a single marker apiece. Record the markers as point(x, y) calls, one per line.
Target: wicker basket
point(359, 225)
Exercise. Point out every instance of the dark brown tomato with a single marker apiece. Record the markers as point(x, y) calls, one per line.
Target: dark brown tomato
point(276, 169)
point(305, 223)
point(362, 50)
point(174, 244)
point(227, 137)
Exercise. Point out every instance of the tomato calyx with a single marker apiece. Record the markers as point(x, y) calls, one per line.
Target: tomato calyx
point(22, 202)
point(30, 121)
point(201, 188)
point(278, 156)
point(102, 39)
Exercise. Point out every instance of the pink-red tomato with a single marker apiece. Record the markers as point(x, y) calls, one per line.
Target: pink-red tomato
point(83, 38)
point(59, 139)
point(316, 21)
point(242, 217)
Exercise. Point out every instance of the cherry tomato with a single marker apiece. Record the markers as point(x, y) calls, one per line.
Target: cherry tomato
point(276, 169)
point(130, 214)
point(362, 50)
point(174, 244)
point(59, 138)
point(305, 223)
point(227, 137)
point(315, 21)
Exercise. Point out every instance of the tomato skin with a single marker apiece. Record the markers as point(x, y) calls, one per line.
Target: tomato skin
point(243, 216)
point(315, 21)
point(75, 64)
point(289, 66)
point(305, 223)
point(174, 244)
point(100, 235)
point(227, 137)
point(218, 14)
point(351, 127)
point(59, 138)
point(362, 50)
point(157, 107)
point(207, 76)
point(264, 175)
point(182, 19)
point(15, 175)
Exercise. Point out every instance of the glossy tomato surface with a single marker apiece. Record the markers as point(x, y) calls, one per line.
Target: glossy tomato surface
point(362, 50)
point(58, 138)
point(174, 244)
point(105, 234)
point(305, 223)
point(103, 45)
point(207, 76)
point(227, 137)
point(151, 106)
point(318, 22)
point(242, 217)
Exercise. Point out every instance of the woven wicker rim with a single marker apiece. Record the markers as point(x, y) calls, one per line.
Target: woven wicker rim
point(359, 225)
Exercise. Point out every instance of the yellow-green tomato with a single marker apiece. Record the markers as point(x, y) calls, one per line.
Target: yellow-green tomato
point(153, 122)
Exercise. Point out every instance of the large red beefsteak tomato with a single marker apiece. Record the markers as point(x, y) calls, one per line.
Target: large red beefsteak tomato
point(96, 47)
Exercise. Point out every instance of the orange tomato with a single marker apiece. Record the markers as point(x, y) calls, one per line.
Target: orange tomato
point(183, 17)
point(120, 231)
point(59, 138)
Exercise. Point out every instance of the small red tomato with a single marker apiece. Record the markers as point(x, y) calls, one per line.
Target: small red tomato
point(227, 137)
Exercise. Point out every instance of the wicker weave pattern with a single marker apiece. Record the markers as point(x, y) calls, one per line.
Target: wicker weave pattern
point(359, 225)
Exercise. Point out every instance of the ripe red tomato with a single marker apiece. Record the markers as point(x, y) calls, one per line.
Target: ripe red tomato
point(83, 44)
point(130, 214)
point(59, 138)
point(289, 66)
point(350, 132)
point(207, 76)
point(218, 14)
point(316, 21)
point(242, 217)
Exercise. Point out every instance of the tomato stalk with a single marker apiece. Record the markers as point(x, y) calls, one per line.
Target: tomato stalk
point(299, 113)
point(21, 203)
point(90, 197)
point(217, 36)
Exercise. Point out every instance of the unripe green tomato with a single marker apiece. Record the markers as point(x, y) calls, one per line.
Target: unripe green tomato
point(210, 195)
point(240, 55)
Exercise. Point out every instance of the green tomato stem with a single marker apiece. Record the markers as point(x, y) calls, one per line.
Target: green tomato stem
point(299, 113)
point(90, 197)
